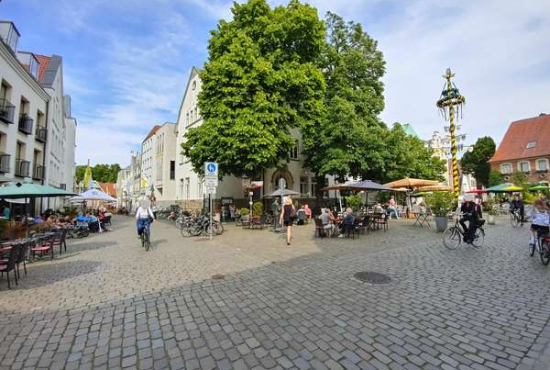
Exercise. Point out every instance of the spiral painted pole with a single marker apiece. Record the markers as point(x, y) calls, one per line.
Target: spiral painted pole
point(451, 98)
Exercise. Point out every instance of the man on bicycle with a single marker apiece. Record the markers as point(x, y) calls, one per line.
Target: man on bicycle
point(472, 214)
point(517, 205)
point(144, 217)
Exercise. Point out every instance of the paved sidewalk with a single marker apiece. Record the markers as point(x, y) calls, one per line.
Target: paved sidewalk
point(109, 304)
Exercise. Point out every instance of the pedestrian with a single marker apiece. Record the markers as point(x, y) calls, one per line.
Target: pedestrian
point(276, 209)
point(287, 217)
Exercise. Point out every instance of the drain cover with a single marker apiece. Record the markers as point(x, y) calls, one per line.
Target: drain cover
point(372, 277)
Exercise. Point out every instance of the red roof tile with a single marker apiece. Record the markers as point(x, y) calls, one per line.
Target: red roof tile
point(520, 133)
point(109, 188)
point(152, 132)
point(44, 61)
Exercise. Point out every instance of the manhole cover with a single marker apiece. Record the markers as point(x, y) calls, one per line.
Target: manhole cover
point(372, 277)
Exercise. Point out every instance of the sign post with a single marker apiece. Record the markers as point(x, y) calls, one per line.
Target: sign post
point(211, 181)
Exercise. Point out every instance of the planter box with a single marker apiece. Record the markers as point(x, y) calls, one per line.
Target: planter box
point(440, 223)
point(491, 220)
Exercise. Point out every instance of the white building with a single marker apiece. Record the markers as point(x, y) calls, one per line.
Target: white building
point(124, 187)
point(190, 186)
point(23, 111)
point(37, 137)
point(165, 165)
point(148, 162)
point(136, 192)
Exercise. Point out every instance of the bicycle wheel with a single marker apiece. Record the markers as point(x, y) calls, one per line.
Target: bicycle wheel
point(195, 229)
point(479, 237)
point(451, 238)
point(185, 231)
point(514, 220)
point(142, 237)
point(531, 249)
point(179, 223)
point(544, 252)
point(147, 241)
point(218, 228)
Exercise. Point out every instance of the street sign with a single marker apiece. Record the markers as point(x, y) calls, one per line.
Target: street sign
point(211, 182)
point(211, 190)
point(211, 170)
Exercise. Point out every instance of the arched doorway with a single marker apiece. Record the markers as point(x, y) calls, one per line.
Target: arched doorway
point(285, 176)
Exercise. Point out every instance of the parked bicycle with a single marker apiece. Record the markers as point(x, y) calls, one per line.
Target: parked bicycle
point(200, 226)
point(454, 235)
point(542, 246)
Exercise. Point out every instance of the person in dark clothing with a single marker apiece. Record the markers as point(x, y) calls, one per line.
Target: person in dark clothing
point(287, 217)
point(471, 213)
point(517, 205)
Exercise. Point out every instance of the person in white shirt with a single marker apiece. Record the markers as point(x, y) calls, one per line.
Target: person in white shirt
point(540, 220)
point(144, 217)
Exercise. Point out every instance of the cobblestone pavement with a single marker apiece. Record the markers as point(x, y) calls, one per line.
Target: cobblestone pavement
point(109, 304)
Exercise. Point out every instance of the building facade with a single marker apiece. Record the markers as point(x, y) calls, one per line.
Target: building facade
point(37, 133)
point(148, 162)
point(525, 148)
point(124, 186)
point(165, 163)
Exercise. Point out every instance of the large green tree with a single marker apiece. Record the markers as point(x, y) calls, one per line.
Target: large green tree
point(261, 79)
point(476, 161)
point(348, 140)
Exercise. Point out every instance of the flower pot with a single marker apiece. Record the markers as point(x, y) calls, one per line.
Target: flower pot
point(441, 223)
point(491, 220)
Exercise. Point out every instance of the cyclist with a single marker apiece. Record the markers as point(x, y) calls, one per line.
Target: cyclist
point(540, 220)
point(471, 213)
point(144, 217)
point(517, 205)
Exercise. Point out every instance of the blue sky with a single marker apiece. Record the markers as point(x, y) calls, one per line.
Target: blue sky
point(126, 62)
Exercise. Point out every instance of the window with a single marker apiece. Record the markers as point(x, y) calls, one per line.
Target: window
point(180, 190)
point(313, 186)
point(304, 185)
point(172, 170)
point(542, 164)
point(505, 168)
point(294, 150)
point(187, 188)
point(531, 144)
point(523, 166)
point(201, 188)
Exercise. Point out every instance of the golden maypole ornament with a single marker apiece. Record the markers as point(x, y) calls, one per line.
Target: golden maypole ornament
point(449, 103)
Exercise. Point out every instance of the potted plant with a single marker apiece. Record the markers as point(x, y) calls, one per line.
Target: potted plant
point(354, 201)
point(245, 214)
point(257, 209)
point(441, 203)
point(491, 211)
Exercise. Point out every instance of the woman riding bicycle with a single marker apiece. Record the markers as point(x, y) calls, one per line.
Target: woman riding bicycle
point(540, 220)
point(144, 217)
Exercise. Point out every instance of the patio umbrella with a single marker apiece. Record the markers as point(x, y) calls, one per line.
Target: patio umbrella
point(94, 194)
point(539, 187)
point(498, 188)
point(476, 191)
point(282, 193)
point(411, 183)
point(435, 188)
point(512, 188)
point(359, 186)
point(29, 190)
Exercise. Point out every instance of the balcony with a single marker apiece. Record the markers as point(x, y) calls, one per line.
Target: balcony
point(41, 134)
point(22, 168)
point(5, 163)
point(38, 173)
point(25, 124)
point(7, 111)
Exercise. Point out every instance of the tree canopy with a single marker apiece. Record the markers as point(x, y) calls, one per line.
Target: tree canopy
point(261, 79)
point(100, 172)
point(476, 161)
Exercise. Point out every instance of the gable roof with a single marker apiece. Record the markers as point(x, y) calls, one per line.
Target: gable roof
point(520, 133)
point(194, 71)
point(152, 132)
point(44, 62)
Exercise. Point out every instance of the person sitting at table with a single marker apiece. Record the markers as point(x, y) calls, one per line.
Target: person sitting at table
point(347, 222)
point(301, 216)
point(308, 211)
point(93, 222)
point(378, 208)
point(392, 208)
point(327, 219)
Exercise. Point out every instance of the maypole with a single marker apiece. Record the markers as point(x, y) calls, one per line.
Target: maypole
point(449, 103)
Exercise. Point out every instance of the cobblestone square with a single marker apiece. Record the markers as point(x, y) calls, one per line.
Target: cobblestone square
point(108, 304)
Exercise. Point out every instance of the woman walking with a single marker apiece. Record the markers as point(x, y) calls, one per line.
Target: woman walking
point(287, 217)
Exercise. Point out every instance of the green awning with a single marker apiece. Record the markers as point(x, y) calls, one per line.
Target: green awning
point(539, 187)
point(498, 188)
point(28, 190)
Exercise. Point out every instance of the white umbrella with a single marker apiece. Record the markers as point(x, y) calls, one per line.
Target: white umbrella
point(94, 194)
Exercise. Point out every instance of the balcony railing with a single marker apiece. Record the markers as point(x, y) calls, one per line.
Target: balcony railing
point(38, 173)
point(25, 124)
point(5, 163)
point(22, 168)
point(41, 134)
point(7, 111)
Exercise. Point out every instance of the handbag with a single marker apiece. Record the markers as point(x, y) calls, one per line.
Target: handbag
point(293, 214)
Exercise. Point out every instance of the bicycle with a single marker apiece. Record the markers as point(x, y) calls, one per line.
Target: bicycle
point(515, 218)
point(454, 235)
point(201, 226)
point(146, 238)
point(542, 246)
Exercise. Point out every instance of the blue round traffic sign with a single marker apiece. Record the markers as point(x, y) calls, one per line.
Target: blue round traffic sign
point(211, 167)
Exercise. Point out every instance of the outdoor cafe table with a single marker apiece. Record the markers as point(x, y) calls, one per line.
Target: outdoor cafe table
point(421, 219)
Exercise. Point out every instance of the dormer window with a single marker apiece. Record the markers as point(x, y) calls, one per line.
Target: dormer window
point(531, 144)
